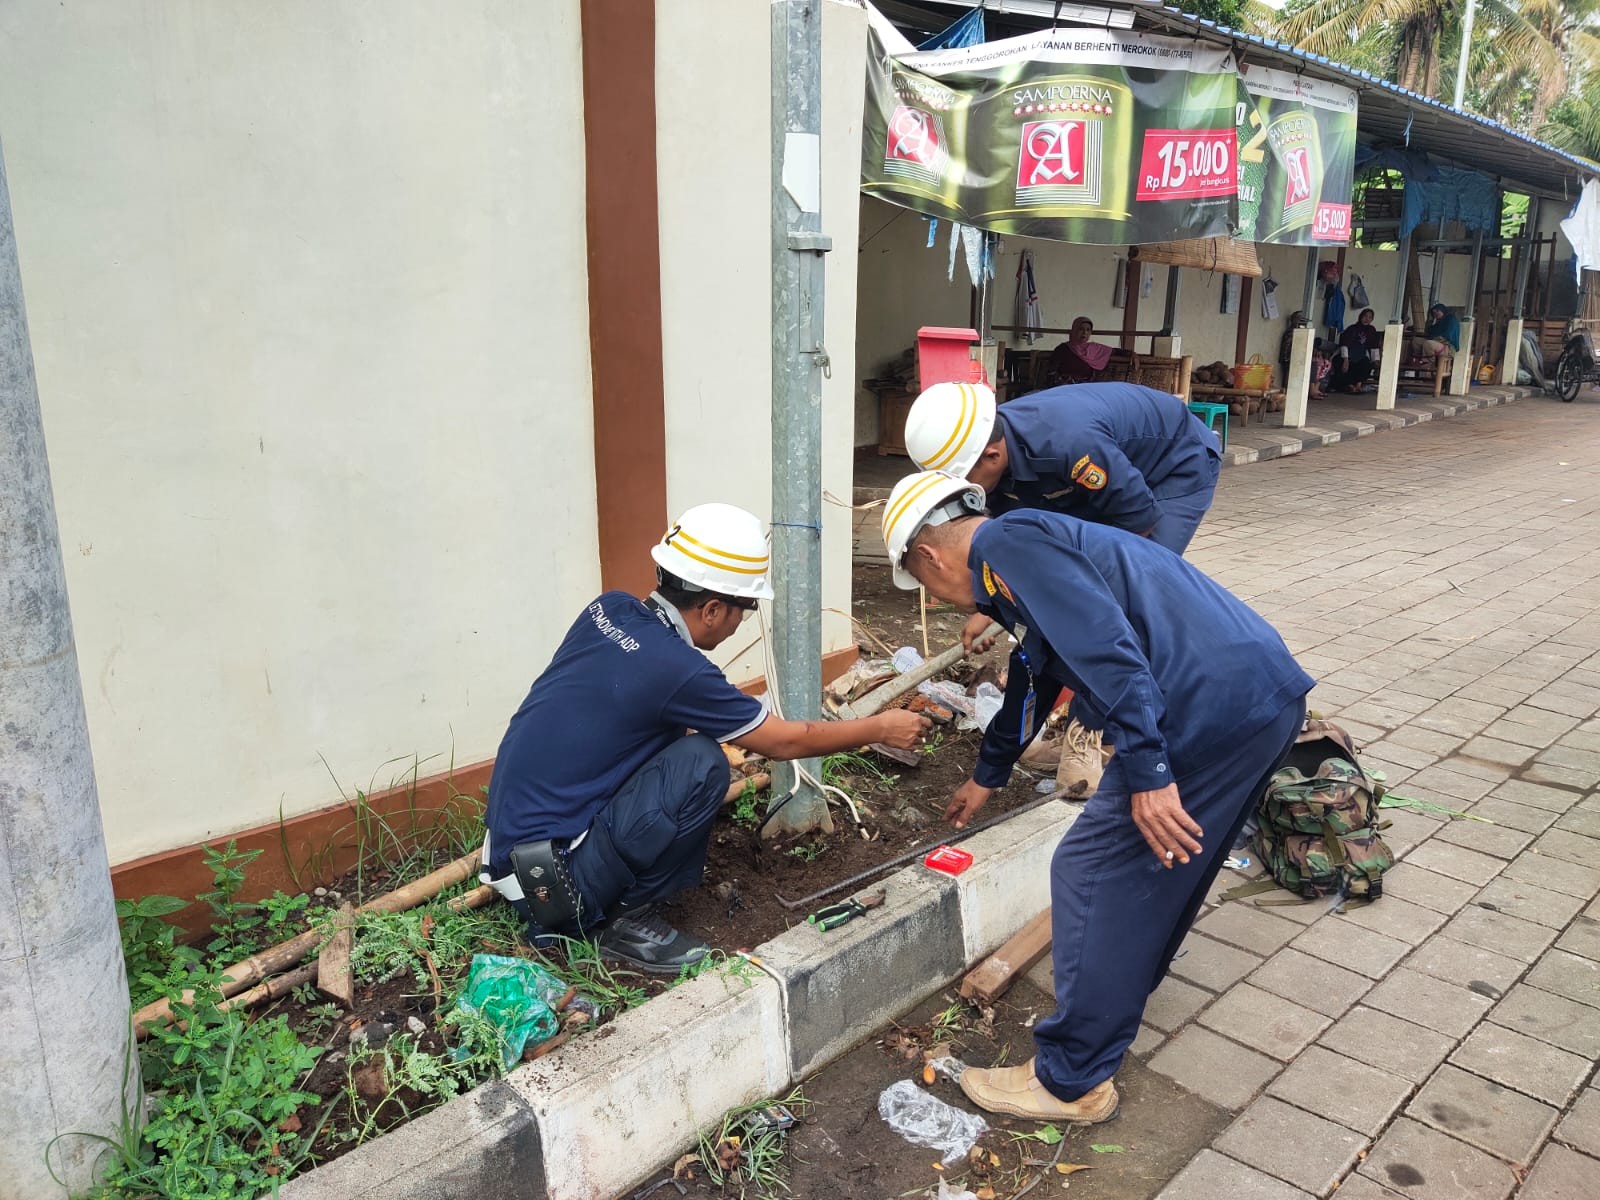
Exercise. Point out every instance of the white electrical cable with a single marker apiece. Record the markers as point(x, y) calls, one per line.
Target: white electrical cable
point(801, 774)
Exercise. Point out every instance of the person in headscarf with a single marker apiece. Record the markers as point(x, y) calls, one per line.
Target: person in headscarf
point(1079, 359)
point(1353, 367)
point(1442, 335)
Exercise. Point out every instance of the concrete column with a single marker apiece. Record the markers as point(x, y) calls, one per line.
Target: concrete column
point(1297, 387)
point(1510, 360)
point(66, 1054)
point(1461, 368)
point(1167, 347)
point(1394, 353)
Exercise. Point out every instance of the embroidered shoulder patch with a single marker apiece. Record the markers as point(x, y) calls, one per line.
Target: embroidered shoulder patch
point(992, 583)
point(1089, 474)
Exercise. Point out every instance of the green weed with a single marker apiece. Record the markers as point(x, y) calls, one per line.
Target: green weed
point(230, 1126)
point(744, 1161)
point(808, 851)
point(156, 963)
point(579, 963)
point(720, 962)
point(852, 765)
point(746, 808)
point(233, 920)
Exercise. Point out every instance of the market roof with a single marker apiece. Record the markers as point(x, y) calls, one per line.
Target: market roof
point(1387, 113)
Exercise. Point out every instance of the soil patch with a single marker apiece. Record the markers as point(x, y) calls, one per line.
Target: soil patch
point(843, 1150)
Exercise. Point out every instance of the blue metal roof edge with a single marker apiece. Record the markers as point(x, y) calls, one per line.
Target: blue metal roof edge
point(1339, 68)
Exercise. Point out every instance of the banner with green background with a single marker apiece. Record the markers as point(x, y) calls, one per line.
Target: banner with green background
point(1297, 146)
point(1097, 136)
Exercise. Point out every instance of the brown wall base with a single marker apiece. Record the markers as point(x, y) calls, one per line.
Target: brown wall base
point(315, 848)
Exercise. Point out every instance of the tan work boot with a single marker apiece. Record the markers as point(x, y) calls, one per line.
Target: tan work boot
point(1082, 763)
point(1018, 1092)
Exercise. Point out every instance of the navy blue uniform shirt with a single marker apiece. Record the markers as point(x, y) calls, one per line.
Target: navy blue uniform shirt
point(625, 683)
point(1173, 667)
point(1103, 452)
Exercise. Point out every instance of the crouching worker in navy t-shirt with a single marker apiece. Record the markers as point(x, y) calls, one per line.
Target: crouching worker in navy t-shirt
point(611, 773)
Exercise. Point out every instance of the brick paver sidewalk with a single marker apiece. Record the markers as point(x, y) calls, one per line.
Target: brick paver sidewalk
point(1443, 584)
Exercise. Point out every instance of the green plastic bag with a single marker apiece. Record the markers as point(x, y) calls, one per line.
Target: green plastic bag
point(517, 996)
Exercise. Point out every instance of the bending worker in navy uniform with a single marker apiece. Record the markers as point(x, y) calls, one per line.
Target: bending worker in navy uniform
point(1202, 700)
point(601, 801)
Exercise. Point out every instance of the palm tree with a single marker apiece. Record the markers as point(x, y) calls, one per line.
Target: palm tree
point(1412, 37)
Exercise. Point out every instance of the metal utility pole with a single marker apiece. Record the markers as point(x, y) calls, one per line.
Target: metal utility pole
point(66, 1050)
point(1466, 51)
point(799, 363)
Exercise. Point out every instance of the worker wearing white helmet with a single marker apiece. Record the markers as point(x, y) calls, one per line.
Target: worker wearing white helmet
point(601, 801)
point(1113, 453)
point(1200, 697)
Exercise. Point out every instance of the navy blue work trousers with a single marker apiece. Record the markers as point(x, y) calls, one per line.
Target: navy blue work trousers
point(1118, 915)
point(1181, 514)
point(650, 842)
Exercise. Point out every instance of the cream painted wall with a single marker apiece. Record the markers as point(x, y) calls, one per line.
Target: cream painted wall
point(307, 291)
point(712, 66)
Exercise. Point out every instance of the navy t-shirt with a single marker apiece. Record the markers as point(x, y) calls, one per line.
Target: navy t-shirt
point(624, 684)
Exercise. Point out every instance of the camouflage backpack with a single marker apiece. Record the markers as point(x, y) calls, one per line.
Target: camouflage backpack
point(1318, 821)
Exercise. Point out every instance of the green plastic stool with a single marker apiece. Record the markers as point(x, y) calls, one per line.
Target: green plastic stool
point(1209, 414)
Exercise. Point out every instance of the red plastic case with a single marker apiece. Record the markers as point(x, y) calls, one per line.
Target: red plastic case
point(949, 859)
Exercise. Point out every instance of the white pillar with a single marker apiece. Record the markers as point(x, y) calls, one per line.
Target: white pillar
point(1513, 354)
point(1167, 347)
point(1394, 353)
point(66, 1052)
point(1297, 387)
point(1461, 370)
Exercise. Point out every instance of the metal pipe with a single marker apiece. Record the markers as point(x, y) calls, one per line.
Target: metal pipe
point(1433, 280)
point(1466, 47)
point(1311, 287)
point(1529, 251)
point(1398, 315)
point(799, 362)
point(1473, 275)
point(985, 322)
point(1169, 315)
point(71, 1072)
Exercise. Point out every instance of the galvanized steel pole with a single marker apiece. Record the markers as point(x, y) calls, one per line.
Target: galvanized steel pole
point(66, 1049)
point(799, 363)
point(1529, 248)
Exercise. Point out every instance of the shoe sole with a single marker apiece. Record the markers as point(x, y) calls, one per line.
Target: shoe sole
point(1012, 1110)
point(648, 968)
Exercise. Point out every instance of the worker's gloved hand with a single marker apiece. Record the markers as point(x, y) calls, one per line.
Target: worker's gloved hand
point(901, 729)
point(972, 639)
point(1172, 833)
point(964, 805)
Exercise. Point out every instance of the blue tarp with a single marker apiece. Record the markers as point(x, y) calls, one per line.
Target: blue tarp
point(1436, 194)
point(968, 31)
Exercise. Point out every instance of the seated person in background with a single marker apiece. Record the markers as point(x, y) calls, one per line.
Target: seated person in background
point(601, 801)
point(1078, 359)
point(1321, 371)
point(1360, 344)
point(1441, 337)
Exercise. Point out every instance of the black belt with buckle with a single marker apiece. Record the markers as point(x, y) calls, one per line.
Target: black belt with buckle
point(547, 884)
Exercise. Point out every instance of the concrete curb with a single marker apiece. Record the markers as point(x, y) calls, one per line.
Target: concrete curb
point(606, 1111)
point(1292, 441)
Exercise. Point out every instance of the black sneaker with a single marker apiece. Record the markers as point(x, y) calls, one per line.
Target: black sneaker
point(643, 939)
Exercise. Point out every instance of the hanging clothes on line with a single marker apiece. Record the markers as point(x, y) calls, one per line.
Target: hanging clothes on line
point(1029, 316)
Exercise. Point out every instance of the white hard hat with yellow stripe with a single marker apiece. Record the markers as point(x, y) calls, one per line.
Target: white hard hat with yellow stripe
point(927, 498)
point(719, 548)
point(949, 425)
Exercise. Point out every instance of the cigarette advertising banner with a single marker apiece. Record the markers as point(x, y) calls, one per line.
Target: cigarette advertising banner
point(1091, 135)
point(1297, 144)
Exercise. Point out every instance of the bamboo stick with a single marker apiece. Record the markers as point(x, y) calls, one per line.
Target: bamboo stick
point(257, 967)
point(880, 699)
point(272, 989)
